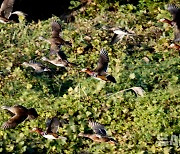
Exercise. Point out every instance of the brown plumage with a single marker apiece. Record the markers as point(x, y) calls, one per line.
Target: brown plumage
point(100, 72)
point(100, 134)
point(61, 60)
point(175, 12)
point(6, 11)
point(38, 67)
point(55, 40)
point(175, 46)
point(52, 126)
point(20, 113)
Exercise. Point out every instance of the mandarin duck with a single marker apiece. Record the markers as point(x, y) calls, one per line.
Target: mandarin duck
point(38, 67)
point(100, 134)
point(61, 60)
point(100, 71)
point(6, 11)
point(52, 126)
point(19, 114)
point(175, 12)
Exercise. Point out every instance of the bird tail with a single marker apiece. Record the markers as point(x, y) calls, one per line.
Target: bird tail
point(111, 78)
point(32, 114)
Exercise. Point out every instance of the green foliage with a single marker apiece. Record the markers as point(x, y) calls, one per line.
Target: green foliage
point(135, 122)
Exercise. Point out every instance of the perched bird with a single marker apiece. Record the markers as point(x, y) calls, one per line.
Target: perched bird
point(100, 134)
point(39, 68)
point(61, 60)
point(119, 35)
point(100, 71)
point(6, 11)
point(52, 126)
point(175, 12)
point(56, 41)
point(19, 114)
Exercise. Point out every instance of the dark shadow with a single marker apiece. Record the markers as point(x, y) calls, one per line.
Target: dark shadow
point(41, 9)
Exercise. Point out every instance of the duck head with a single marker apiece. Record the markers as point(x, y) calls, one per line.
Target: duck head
point(85, 70)
point(32, 113)
point(166, 21)
point(174, 46)
point(37, 130)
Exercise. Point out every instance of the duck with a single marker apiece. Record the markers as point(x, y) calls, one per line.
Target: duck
point(119, 35)
point(56, 41)
point(175, 12)
point(100, 73)
point(38, 67)
point(6, 11)
point(52, 126)
point(19, 114)
point(61, 60)
point(99, 135)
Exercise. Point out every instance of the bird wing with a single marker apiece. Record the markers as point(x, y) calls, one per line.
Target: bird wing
point(35, 65)
point(102, 62)
point(176, 34)
point(56, 28)
point(116, 38)
point(6, 8)
point(54, 48)
point(16, 109)
point(98, 128)
point(32, 114)
point(14, 121)
point(61, 55)
point(174, 10)
point(52, 125)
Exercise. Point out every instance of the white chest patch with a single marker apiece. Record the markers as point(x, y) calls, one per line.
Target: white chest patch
point(51, 137)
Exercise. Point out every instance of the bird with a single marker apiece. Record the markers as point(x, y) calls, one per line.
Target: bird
point(56, 41)
point(6, 11)
point(119, 35)
point(175, 12)
point(60, 60)
point(19, 114)
point(52, 126)
point(38, 67)
point(100, 72)
point(99, 135)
